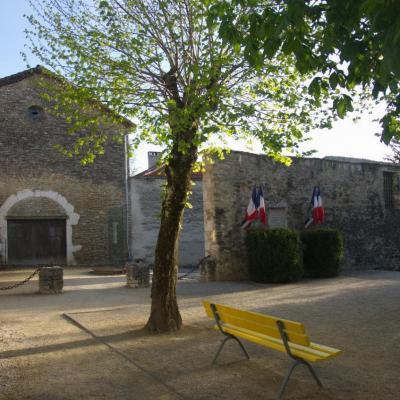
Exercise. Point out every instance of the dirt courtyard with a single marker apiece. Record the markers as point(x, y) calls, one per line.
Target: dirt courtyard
point(88, 343)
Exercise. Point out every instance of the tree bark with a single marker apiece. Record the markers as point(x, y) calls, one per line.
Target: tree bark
point(165, 316)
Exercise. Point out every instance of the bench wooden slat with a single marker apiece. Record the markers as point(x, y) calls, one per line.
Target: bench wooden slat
point(268, 330)
point(312, 353)
point(269, 320)
point(327, 349)
point(272, 344)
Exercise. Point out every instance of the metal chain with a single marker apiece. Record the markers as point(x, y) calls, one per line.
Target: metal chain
point(193, 269)
point(15, 285)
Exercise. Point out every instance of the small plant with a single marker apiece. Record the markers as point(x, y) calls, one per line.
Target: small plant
point(322, 252)
point(275, 255)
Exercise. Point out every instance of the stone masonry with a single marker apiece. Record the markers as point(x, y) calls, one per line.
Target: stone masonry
point(38, 182)
point(352, 192)
point(145, 201)
point(51, 280)
point(137, 275)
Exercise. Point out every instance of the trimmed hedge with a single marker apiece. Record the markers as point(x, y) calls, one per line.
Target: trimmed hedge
point(275, 255)
point(322, 252)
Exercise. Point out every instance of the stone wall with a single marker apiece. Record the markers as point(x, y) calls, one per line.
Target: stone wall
point(145, 203)
point(36, 181)
point(352, 192)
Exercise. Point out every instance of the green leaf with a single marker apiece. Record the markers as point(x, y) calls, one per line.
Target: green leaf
point(315, 87)
point(333, 80)
point(341, 107)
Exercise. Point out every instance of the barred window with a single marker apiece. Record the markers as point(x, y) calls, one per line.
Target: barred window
point(388, 181)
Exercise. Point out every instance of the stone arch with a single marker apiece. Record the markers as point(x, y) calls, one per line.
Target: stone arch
point(72, 218)
point(36, 207)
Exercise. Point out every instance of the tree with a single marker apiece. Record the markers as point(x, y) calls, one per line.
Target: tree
point(162, 64)
point(395, 156)
point(342, 43)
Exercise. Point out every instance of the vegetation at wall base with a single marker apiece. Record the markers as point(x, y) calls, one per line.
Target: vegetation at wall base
point(322, 252)
point(275, 255)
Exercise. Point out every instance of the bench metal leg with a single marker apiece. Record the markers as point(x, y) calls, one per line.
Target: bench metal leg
point(286, 380)
point(290, 371)
point(228, 335)
point(223, 344)
point(297, 360)
point(313, 373)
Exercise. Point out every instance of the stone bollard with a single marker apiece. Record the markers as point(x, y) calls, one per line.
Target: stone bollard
point(208, 268)
point(51, 280)
point(137, 275)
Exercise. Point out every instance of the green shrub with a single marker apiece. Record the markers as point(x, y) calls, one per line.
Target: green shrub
point(275, 255)
point(322, 252)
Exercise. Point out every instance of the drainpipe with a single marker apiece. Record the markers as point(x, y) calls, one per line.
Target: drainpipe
point(127, 208)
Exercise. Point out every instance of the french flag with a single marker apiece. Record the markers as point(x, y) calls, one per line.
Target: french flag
point(317, 209)
point(261, 208)
point(318, 212)
point(255, 209)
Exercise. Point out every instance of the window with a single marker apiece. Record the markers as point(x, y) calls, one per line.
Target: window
point(388, 180)
point(35, 112)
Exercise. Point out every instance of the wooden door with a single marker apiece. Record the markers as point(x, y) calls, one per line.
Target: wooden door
point(36, 241)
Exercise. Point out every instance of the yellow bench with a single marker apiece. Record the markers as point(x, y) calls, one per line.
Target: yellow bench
point(275, 333)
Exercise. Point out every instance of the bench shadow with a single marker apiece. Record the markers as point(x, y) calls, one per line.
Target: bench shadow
point(115, 338)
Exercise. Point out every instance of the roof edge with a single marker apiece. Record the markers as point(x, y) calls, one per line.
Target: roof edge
point(336, 159)
point(19, 76)
point(157, 172)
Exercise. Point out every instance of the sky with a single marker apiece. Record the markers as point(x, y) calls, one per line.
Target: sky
point(346, 139)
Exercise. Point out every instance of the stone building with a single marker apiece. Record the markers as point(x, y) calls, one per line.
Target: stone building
point(52, 209)
point(55, 211)
point(361, 199)
point(145, 203)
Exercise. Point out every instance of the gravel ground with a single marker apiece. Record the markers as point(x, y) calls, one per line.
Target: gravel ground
point(100, 351)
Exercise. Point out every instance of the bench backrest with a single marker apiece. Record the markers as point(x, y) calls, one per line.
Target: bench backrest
point(259, 323)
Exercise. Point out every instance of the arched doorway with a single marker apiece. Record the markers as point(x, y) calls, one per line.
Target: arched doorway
point(36, 228)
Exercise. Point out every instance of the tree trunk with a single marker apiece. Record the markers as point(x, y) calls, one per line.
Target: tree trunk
point(165, 316)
